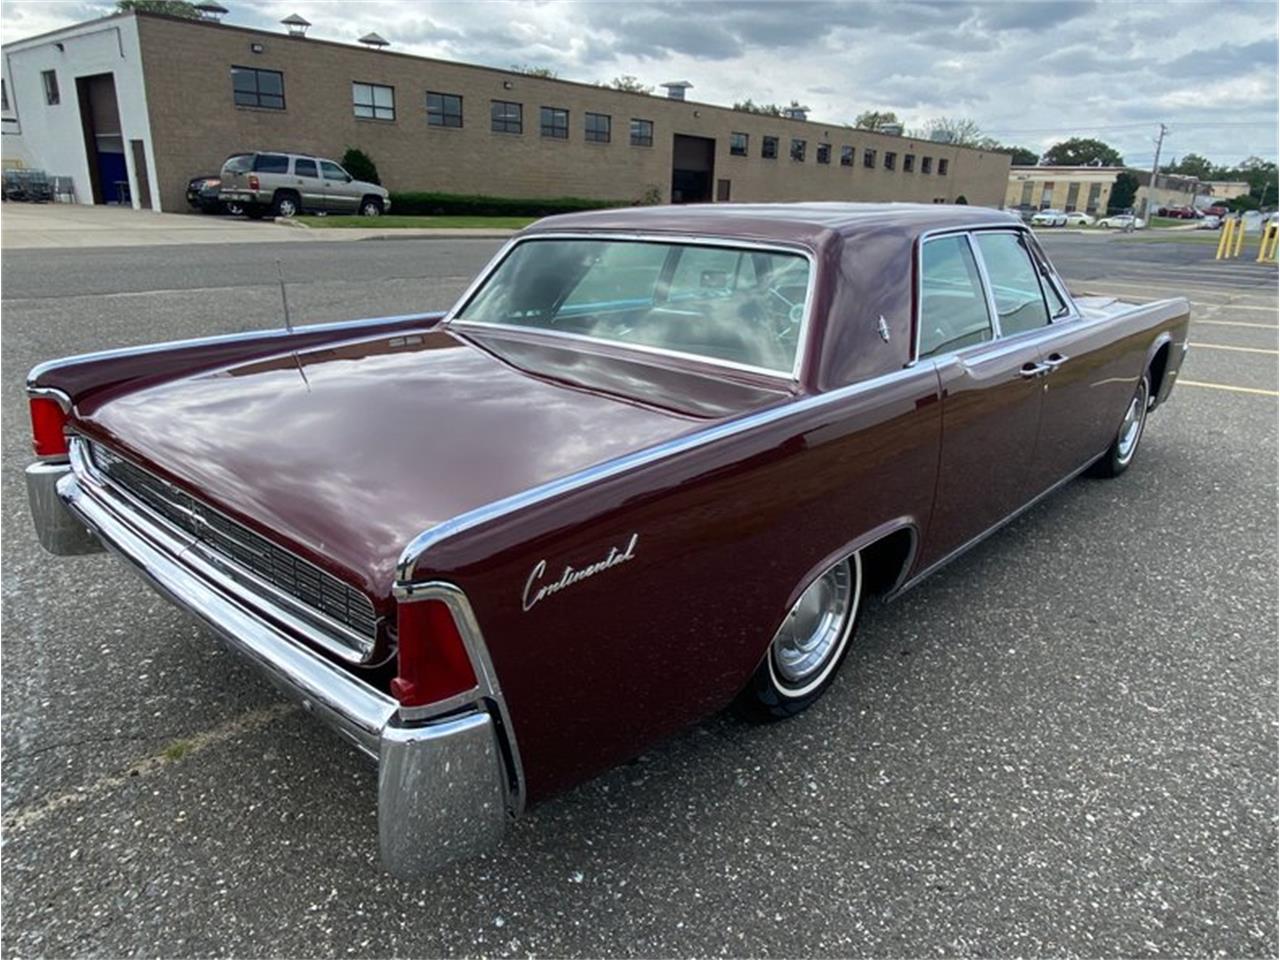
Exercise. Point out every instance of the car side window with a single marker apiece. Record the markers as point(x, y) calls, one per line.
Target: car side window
point(305, 168)
point(332, 171)
point(271, 163)
point(953, 305)
point(1015, 284)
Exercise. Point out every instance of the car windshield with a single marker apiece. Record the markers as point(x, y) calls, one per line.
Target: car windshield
point(723, 303)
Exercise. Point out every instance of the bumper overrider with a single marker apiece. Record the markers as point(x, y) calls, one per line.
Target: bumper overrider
point(448, 782)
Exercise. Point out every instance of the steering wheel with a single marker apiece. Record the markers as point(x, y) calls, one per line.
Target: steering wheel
point(786, 305)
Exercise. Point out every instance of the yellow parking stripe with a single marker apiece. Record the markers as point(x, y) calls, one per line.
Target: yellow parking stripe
point(1225, 386)
point(1223, 346)
point(1237, 323)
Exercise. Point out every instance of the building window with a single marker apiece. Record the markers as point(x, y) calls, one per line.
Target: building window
point(797, 149)
point(599, 127)
point(51, 95)
point(257, 88)
point(769, 148)
point(4, 96)
point(1027, 189)
point(926, 164)
point(642, 133)
point(824, 153)
point(869, 159)
point(846, 156)
point(890, 160)
point(555, 123)
point(942, 166)
point(506, 117)
point(908, 163)
point(1095, 195)
point(737, 144)
point(373, 101)
point(444, 109)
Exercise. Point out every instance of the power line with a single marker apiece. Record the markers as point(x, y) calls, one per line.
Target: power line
point(1131, 126)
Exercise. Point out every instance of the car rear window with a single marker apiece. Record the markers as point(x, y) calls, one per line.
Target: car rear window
point(271, 163)
point(743, 306)
point(238, 163)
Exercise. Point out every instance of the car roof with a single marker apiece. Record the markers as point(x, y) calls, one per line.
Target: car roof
point(809, 223)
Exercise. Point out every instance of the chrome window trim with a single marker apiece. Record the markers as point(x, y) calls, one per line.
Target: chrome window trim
point(562, 486)
point(970, 231)
point(802, 340)
point(314, 624)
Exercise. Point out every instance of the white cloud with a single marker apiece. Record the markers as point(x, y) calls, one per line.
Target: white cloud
point(1028, 72)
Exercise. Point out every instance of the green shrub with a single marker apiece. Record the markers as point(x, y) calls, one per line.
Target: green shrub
point(360, 165)
point(415, 203)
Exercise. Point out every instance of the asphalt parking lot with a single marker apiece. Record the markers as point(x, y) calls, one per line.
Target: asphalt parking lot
point(1063, 743)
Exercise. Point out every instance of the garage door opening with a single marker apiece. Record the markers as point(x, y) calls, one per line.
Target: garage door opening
point(693, 161)
point(103, 142)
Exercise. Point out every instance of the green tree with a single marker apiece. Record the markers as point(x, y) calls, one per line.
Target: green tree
point(1261, 175)
point(630, 84)
point(1022, 156)
point(173, 8)
point(1082, 152)
point(360, 165)
point(875, 119)
point(531, 71)
point(1192, 165)
point(764, 109)
point(1123, 192)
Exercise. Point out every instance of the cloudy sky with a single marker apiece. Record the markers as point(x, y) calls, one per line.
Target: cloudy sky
point(1030, 72)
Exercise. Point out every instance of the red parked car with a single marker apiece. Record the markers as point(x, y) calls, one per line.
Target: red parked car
point(653, 462)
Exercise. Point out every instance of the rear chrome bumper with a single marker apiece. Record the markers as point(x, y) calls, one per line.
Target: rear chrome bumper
point(443, 791)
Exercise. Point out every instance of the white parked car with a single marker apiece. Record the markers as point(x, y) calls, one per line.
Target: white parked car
point(1123, 221)
point(1078, 219)
point(1209, 222)
point(1049, 218)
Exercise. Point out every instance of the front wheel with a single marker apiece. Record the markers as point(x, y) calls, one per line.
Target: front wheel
point(809, 646)
point(1125, 445)
point(371, 207)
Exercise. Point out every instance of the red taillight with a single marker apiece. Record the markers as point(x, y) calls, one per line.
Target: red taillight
point(253, 181)
point(48, 426)
point(432, 660)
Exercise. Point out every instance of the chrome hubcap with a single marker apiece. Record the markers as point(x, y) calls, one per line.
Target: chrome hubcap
point(1131, 427)
point(815, 629)
point(287, 208)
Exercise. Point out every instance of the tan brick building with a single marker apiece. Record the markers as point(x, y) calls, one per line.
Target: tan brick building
point(213, 89)
point(1088, 189)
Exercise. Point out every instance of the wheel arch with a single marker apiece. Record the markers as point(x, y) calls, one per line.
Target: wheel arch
point(1157, 364)
point(888, 551)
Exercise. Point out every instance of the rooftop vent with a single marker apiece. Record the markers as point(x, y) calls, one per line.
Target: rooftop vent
point(893, 129)
point(211, 11)
point(374, 42)
point(796, 113)
point(297, 26)
point(676, 88)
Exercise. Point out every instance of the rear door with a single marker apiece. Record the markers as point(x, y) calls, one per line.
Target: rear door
point(339, 195)
point(1088, 386)
point(310, 186)
point(983, 341)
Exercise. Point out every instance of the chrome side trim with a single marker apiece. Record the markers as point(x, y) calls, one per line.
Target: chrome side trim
point(611, 468)
point(487, 687)
point(802, 341)
point(42, 368)
point(939, 564)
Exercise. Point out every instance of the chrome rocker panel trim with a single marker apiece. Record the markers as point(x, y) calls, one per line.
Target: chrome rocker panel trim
point(441, 783)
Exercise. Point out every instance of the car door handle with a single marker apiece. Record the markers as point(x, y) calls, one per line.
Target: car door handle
point(1055, 360)
point(1030, 370)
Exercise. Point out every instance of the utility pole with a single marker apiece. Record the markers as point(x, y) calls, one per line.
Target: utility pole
point(1155, 170)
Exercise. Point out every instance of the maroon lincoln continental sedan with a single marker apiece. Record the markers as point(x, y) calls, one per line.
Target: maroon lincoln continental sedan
point(652, 463)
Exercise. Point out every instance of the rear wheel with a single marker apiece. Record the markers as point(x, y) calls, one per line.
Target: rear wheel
point(1125, 445)
point(286, 205)
point(809, 646)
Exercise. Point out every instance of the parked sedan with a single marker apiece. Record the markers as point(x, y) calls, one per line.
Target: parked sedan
point(1123, 221)
point(1049, 218)
point(1078, 219)
point(1209, 222)
point(672, 453)
point(203, 195)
